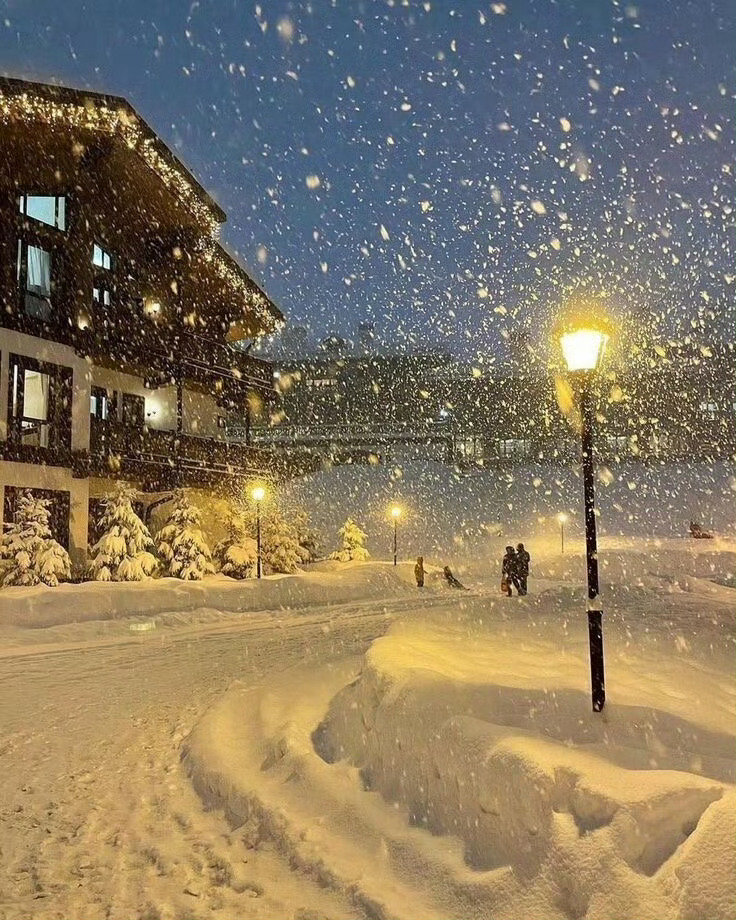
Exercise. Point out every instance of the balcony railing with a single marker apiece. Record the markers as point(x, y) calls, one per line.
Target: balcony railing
point(119, 446)
point(139, 341)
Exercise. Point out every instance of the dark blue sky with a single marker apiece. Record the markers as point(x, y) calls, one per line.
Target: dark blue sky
point(450, 170)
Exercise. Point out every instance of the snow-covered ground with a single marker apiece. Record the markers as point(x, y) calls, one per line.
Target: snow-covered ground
point(459, 770)
point(386, 752)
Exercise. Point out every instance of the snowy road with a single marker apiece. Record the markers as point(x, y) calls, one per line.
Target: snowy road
point(98, 819)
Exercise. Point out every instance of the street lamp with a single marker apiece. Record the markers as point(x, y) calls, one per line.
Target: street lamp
point(562, 518)
point(396, 514)
point(258, 495)
point(583, 349)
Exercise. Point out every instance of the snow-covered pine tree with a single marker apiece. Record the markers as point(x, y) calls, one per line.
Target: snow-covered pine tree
point(181, 544)
point(123, 552)
point(29, 553)
point(236, 553)
point(308, 537)
point(353, 543)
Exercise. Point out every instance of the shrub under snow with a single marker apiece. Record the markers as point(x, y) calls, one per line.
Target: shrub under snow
point(123, 552)
point(236, 554)
point(353, 543)
point(181, 543)
point(29, 553)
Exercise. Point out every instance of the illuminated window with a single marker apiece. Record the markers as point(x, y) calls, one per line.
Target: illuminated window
point(47, 209)
point(101, 258)
point(709, 409)
point(34, 279)
point(102, 295)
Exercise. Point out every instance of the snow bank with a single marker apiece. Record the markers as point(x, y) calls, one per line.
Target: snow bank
point(451, 515)
point(323, 584)
point(486, 733)
point(458, 769)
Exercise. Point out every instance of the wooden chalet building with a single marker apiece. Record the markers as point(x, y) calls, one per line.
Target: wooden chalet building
point(123, 319)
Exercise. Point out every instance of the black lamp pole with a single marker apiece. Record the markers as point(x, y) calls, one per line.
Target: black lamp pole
point(595, 614)
point(258, 537)
point(396, 528)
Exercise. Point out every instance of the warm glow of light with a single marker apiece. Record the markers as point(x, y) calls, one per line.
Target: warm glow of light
point(395, 511)
point(583, 348)
point(152, 307)
point(258, 493)
point(562, 518)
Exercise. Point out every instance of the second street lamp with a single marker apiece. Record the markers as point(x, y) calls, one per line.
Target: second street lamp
point(396, 514)
point(258, 494)
point(562, 518)
point(583, 349)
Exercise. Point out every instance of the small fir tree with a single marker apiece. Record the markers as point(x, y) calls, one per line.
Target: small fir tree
point(308, 537)
point(29, 553)
point(236, 554)
point(123, 552)
point(181, 544)
point(353, 543)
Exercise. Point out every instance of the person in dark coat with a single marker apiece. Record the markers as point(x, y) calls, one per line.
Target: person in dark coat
point(419, 571)
point(509, 574)
point(522, 567)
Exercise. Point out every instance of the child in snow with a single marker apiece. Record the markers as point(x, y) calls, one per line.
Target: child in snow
point(419, 571)
point(450, 578)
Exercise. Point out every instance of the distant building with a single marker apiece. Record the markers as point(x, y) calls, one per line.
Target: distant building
point(353, 407)
point(119, 310)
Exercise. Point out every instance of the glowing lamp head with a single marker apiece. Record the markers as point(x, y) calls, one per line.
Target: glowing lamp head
point(258, 493)
point(395, 512)
point(152, 307)
point(562, 517)
point(583, 348)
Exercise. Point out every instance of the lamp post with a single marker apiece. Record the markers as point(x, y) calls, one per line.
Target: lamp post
point(258, 494)
point(583, 349)
point(562, 518)
point(396, 514)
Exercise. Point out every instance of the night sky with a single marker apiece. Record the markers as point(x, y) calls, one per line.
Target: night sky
point(449, 170)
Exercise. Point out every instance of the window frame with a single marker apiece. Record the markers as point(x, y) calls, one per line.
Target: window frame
point(63, 211)
point(110, 267)
point(58, 421)
point(37, 242)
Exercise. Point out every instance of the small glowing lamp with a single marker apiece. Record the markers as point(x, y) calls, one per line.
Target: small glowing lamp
point(562, 517)
point(258, 493)
point(583, 348)
point(152, 307)
point(395, 512)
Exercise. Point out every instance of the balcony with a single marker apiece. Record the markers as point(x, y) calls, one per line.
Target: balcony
point(163, 458)
point(142, 346)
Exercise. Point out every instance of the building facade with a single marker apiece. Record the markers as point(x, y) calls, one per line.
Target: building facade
point(672, 403)
point(125, 325)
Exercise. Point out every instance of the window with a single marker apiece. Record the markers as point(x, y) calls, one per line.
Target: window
point(134, 410)
point(101, 258)
point(34, 277)
point(709, 409)
point(102, 295)
point(513, 447)
point(47, 209)
point(39, 408)
point(101, 404)
point(617, 444)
